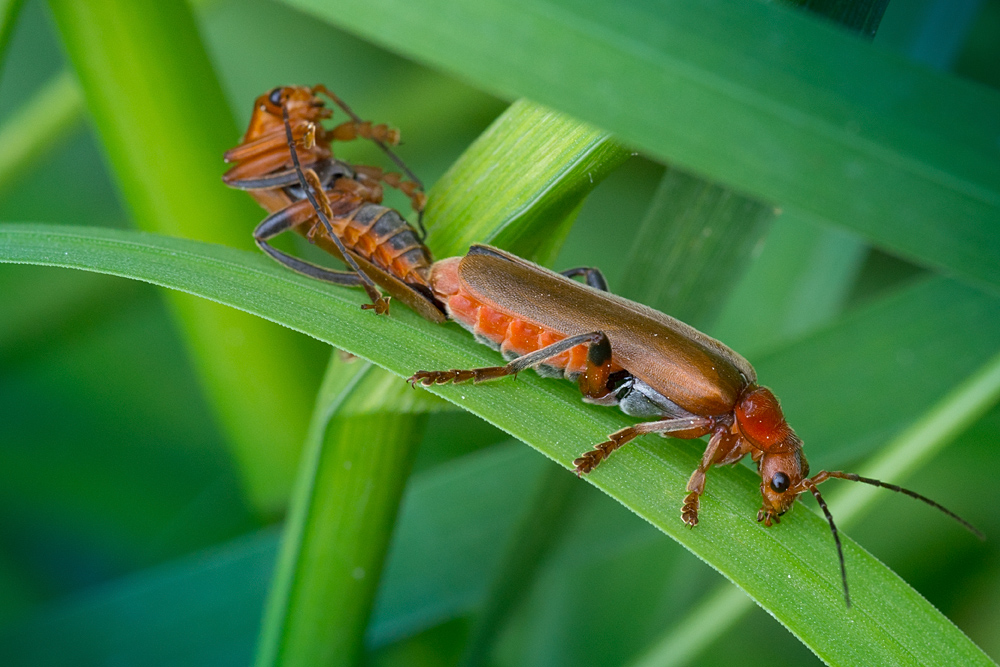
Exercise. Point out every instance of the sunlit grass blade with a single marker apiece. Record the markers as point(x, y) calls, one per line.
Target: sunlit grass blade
point(351, 480)
point(790, 571)
point(876, 144)
point(534, 167)
point(164, 124)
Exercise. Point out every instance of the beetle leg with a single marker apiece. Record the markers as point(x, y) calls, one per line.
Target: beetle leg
point(260, 164)
point(591, 275)
point(723, 447)
point(590, 460)
point(594, 339)
point(411, 189)
point(696, 485)
point(286, 219)
point(317, 197)
point(302, 132)
point(351, 130)
point(418, 203)
point(328, 171)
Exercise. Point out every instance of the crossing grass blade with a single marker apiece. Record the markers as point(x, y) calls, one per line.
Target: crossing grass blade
point(790, 571)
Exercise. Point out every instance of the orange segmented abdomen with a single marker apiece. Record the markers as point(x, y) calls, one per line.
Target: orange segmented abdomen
point(512, 335)
point(386, 239)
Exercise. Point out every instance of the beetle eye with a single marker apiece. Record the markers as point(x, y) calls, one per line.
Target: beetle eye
point(780, 482)
point(274, 97)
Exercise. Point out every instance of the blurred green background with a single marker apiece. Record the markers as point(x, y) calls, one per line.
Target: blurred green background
point(128, 536)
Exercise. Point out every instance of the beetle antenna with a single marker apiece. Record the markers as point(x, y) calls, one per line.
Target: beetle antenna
point(809, 484)
point(398, 161)
point(367, 283)
point(378, 142)
point(898, 489)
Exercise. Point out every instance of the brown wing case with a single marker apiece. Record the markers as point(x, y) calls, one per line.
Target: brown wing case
point(693, 370)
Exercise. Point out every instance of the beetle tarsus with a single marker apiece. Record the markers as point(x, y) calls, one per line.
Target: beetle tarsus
point(689, 511)
point(380, 305)
point(767, 517)
point(590, 460)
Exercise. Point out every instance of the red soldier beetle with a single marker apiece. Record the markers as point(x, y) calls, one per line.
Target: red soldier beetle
point(334, 204)
point(647, 363)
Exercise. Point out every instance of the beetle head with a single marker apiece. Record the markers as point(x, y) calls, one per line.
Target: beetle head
point(781, 464)
point(781, 476)
point(301, 102)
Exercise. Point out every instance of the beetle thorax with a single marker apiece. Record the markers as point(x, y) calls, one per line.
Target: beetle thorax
point(760, 420)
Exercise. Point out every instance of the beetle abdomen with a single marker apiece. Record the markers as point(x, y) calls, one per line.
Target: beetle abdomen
point(386, 239)
point(513, 336)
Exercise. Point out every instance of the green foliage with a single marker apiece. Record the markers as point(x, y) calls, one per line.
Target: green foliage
point(131, 535)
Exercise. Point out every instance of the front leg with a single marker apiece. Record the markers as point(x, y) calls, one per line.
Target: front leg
point(723, 447)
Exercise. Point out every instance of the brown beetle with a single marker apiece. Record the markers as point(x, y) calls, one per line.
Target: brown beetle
point(649, 364)
point(285, 162)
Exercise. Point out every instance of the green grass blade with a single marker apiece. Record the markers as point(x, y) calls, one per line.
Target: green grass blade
point(861, 16)
point(742, 93)
point(918, 444)
point(44, 120)
point(694, 245)
point(541, 165)
point(535, 166)
point(789, 570)
point(304, 510)
point(538, 530)
point(341, 518)
point(445, 546)
point(164, 124)
point(192, 610)
point(799, 281)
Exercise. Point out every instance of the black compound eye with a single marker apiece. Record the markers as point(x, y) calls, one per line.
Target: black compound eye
point(780, 482)
point(620, 382)
point(274, 97)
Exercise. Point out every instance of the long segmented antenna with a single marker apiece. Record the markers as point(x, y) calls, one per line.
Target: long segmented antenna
point(836, 537)
point(398, 161)
point(824, 475)
point(898, 489)
point(379, 303)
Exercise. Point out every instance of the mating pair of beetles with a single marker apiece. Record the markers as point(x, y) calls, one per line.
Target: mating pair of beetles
point(620, 352)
